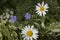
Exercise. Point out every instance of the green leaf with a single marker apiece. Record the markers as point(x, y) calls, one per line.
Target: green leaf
point(51, 27)
point(6, 32)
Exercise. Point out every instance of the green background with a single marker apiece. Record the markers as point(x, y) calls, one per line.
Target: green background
point(20, 7)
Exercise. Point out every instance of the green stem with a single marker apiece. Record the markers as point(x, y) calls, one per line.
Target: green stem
point(42, 22)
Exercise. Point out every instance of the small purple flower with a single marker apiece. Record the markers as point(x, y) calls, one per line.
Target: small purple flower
point(13, 19)
point(27, 16)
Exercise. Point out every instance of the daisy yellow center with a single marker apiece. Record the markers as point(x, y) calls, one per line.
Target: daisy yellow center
point(29, 33)
point(41, 8)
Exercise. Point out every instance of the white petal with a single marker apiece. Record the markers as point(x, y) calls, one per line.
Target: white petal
point(32, 27)
point(27, 38)
point(28, 26)
point(24, 38)
point(23, 32)
point(35, 37)
point(46, 6)
point(37, 8)
point(46, 10)
point(25, 26)
point(44, 13)
point(31, 38)
point(40, 13)
point(35, 31)
point(39, 4)
point(43, 3)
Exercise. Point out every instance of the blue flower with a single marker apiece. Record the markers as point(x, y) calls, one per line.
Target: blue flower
point(13, 19)
point(27, 16)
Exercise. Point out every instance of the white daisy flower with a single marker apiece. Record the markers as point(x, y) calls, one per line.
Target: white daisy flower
point(29, 33)
point(41, 9)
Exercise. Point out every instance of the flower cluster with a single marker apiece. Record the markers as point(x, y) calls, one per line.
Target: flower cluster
point(41, 9)
point(13, 19)
point(28, 32)
point(27, 16)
